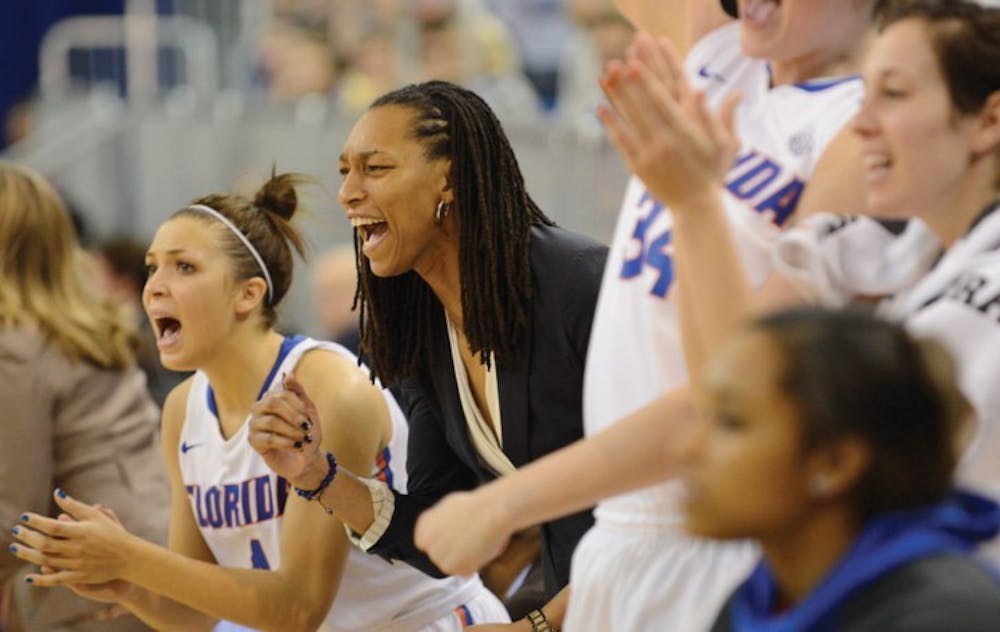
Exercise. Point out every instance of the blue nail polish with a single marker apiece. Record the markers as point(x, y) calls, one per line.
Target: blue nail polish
point(60, 493)
point(24, 517)
point(16, 530)
point(12, 548)
point(30, 580)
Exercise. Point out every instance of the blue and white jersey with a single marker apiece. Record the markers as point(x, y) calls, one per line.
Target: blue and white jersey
point(635, 352)
point(238, 503)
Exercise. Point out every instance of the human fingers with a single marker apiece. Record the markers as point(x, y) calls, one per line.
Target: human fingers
point(637, 103)
point(265, 440)
point(457, 544)
point(675, 64)
point(664, 111)
point(621, 136)
point(279, 427)
point(111, 591)
point(61, 578)
point(77, 509)
point(48, 526)
point(104, 509)
point(43, 551)
point(610, 81)
point(292, 384)
point(648, 52)
point(45, 544)
point(718, 129)
point(285, 405)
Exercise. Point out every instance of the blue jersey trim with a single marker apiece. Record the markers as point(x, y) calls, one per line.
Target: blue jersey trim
point(384, 467)
point(465, 615)
point(287, 345)
point(819, 85)
point(816, 85)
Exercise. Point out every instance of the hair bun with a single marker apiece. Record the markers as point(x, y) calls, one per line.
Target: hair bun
point(278, 195)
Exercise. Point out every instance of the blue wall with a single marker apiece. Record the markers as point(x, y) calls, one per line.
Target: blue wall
point(22, 25)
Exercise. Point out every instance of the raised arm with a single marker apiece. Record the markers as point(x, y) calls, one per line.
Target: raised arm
point(681, 150)
point(715, 292)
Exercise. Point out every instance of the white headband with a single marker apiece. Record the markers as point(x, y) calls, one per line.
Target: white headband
point(246, 242)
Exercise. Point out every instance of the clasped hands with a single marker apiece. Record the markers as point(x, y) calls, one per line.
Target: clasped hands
point(85, 548)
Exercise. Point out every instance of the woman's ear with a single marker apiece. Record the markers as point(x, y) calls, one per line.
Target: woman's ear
point(250, 293)
point(835, 469)
point(447, 188)
point(987, 138)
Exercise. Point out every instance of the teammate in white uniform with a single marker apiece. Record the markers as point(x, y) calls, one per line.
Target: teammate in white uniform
point(635, 569)
point(244, 548)
point(782, 131)
point(933, 152)
point(238, 502)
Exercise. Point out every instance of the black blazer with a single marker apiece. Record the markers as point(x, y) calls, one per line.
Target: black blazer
point(541, 402)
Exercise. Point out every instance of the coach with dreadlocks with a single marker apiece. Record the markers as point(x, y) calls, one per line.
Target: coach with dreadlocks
point(473, 301)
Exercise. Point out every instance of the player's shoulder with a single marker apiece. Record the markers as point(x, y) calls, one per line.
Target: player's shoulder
point(174, 410)
point(329, 361)
point(333, 374)
point(716, 61)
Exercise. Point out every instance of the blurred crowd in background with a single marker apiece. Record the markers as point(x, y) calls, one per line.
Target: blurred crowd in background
point(133, 106)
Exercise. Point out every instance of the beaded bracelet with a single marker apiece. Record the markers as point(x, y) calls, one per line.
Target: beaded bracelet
point(314, 494)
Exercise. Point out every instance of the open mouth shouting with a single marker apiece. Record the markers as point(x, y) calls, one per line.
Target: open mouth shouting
point(168, 332)
point(371, 230)
point(757, 13)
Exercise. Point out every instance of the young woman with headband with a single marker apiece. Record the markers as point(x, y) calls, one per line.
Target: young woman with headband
point(244, 547)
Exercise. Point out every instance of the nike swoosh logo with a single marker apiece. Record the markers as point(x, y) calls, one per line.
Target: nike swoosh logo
point(185, 446)
point(708, 74)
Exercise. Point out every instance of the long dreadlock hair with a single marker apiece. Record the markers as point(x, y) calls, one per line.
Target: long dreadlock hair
point(400, 316)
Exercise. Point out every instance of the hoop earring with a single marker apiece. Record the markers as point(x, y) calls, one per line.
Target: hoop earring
point(441, 212)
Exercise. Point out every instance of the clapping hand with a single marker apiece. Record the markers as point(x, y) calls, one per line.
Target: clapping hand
point(83, 546)
point(662, 127)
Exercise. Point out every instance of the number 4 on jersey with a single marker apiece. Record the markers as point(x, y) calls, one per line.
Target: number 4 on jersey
point(654, 251)
point(257, 557)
